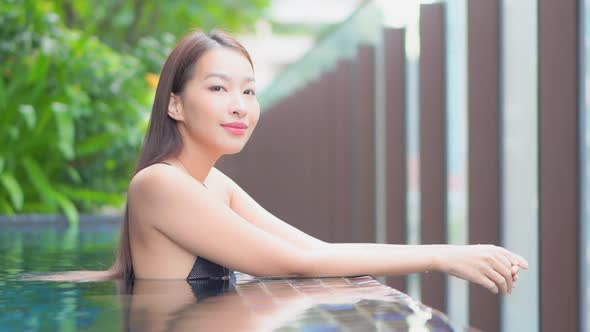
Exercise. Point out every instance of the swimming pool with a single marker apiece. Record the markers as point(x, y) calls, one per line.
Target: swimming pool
point(243, 303)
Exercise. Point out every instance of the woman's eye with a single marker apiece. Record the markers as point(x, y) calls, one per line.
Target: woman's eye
point(216, 88)
point(252, 92)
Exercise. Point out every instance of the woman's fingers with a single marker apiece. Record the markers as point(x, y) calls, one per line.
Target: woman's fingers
point(506, 266)
point(488, 284)
point(502, 268)
point(495, 268)
point(516, 259)
point(514, 269)
point(523, 262)
point(514, 278)
point(505, 260)
point(499, 280)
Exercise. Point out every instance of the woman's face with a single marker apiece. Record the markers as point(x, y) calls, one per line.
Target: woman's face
point(218, 108)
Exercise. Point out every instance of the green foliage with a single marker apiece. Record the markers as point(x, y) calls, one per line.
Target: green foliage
point(76, 85)
point(72, 114)
point(126, 22)
point(146, 28)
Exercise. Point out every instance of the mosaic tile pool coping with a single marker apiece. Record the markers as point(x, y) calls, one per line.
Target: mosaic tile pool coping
point(247, 303)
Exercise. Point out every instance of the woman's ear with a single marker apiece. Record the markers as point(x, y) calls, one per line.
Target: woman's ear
point(175, 108)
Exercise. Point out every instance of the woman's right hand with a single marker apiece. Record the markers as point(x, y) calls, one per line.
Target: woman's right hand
point(493, 267)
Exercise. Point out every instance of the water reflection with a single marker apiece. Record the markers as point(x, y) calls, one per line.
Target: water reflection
point(161, 305)
point(249, 304)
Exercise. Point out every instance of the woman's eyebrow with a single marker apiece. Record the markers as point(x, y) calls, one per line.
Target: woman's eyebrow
point(227, 78)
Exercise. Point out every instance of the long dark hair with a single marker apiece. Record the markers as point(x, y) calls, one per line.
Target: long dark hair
point(162, 139)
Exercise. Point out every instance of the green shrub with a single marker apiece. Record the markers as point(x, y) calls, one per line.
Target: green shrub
point(72, 114)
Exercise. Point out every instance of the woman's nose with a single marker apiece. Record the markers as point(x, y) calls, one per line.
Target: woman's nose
point(238, 105)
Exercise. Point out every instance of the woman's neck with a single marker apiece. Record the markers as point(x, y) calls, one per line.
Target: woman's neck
point(196, 161)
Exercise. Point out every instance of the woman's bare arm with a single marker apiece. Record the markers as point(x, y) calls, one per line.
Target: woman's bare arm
point(184, 211)
point(372, 254)
point(493, 267)
point(244, 205)
point(249, 209)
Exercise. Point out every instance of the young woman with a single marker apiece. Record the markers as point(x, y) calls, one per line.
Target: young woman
point(185, 219)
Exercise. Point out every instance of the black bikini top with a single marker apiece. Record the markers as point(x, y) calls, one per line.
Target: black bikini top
point(206, 269)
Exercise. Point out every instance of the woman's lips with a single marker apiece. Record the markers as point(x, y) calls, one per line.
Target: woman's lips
point(234, 130)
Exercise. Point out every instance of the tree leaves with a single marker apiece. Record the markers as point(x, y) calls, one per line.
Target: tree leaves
point(13, 188)
point(65, 128)
point(48, 193)
point(74, 101)
point(60, 121)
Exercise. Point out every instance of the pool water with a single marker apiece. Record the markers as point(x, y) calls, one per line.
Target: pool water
point(243, 303)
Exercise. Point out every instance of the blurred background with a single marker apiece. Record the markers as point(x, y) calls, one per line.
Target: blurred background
point(400, 121)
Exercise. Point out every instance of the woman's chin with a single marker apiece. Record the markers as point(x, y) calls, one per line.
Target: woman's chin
point(233, 149)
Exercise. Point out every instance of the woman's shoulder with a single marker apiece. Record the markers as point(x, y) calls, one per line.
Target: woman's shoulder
point(160, 179)
point(219, 177)
point(224, 184)
point(157, 178)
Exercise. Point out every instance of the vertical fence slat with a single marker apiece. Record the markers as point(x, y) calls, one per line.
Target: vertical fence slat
point(433, 189)
point(396, 162)
point(484, 148)
point(344, 108)
point(364, 132)
point(559, 165)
